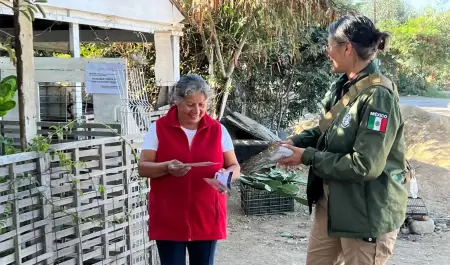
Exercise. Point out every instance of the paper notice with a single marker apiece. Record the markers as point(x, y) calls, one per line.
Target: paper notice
point(201, 164)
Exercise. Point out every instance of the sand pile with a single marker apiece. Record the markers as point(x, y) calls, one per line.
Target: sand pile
point(427, 136)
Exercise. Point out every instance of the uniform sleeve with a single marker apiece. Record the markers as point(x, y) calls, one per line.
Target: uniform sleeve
point(307, 138)
point(377, 131)
point(227, 143)
point(151, 139)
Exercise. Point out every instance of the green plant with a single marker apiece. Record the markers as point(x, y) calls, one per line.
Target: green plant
point(8, 88)
point(279, 181)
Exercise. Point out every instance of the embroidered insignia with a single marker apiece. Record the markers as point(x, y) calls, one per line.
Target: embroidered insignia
point(377, 121)
point(346, 121)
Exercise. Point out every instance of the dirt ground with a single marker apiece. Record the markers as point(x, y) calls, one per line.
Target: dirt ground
point(259, 240)
point(282, 239)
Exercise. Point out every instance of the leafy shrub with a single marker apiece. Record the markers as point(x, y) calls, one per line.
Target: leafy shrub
point(8, 88)
point(411, 84)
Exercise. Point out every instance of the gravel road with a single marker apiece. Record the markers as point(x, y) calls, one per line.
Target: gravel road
point(436, 105)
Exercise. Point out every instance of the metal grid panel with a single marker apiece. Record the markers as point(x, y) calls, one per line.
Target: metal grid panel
point(57, 102)
point(416, 207)
point(261, 202)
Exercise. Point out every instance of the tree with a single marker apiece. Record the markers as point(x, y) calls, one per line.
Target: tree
point(421, 45)
point(227, 27)
point(23, 14)
point(380, 10)
point(278, 90)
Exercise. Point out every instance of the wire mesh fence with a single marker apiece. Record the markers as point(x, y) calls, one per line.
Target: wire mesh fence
point(58, 102)
point(82, 205)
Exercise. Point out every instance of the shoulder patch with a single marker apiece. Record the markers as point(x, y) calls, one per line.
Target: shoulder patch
point(346, 121)
point(377, 121)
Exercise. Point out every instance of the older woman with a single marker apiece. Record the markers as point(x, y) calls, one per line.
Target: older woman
point(185, 211)
point(356, 154)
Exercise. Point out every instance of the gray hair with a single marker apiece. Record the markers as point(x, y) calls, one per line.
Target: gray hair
point(188, 85)
point(360, 31)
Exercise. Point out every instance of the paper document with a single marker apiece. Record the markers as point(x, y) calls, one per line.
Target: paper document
point(201, 164)
point(221, 181)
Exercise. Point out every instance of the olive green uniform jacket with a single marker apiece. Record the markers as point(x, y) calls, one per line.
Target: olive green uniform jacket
point(361, 157)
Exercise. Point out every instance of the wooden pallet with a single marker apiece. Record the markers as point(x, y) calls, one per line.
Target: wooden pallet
point(95, 213)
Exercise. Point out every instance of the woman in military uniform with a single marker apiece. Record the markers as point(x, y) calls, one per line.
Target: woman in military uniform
point(356, 154)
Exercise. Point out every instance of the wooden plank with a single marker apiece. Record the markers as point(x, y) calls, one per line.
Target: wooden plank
point(86, 143)
point(58, 64)
point(75, 125)
point(102, 167)
point(13, 133)
point(8, 259)
point(38, 259)
point(32, 226)
point(76, 188)
point(67, 262)
point(127, 162)
point(251, 126)
point(31, 249)
point(24, 168)
point(16, 219)
point(15, 158)
point(6, 244)
point(18, 183)
point(46, 207)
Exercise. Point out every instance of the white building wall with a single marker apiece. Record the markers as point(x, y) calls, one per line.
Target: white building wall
point(135, 15)
point(160, 11)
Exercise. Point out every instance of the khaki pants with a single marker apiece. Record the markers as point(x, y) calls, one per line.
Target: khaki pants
point(325, 250)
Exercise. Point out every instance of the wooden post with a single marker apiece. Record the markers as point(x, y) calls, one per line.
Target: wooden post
point(16, 213)
point(104, 195)
point(25, 75)
point(167, 64)
point(77, 108)
point(46, 208)
point(126, 151)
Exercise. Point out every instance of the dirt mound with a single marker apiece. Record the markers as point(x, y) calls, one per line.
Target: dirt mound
point(427, 136)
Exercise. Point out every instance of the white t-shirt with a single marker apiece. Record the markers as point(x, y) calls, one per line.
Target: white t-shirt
point(151, 138)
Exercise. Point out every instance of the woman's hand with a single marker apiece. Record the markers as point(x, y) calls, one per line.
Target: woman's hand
point(288, 141)
point(293, 160)
point(177, 169)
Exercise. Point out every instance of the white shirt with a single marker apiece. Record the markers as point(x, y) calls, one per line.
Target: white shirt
point(151, 138)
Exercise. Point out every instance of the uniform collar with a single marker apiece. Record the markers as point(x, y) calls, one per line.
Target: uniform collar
point(369, 69)
point(172, 119)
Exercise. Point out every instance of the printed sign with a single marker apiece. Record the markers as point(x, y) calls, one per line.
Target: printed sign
point(105, 78)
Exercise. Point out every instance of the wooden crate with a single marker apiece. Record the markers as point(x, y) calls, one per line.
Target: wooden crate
point(94, 213)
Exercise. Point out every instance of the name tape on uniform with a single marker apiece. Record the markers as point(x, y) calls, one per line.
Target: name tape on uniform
point(377, 121)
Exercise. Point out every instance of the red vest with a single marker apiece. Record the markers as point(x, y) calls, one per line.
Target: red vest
point(186, 208)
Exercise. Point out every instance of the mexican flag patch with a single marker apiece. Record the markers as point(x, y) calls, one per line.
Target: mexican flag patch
point(377, 121)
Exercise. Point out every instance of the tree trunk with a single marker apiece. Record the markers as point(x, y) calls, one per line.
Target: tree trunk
point(26, 84)
point(231, 65)
point(223, 103)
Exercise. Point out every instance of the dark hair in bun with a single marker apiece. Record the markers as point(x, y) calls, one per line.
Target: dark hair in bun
point(384, 39)
point(360, 31)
